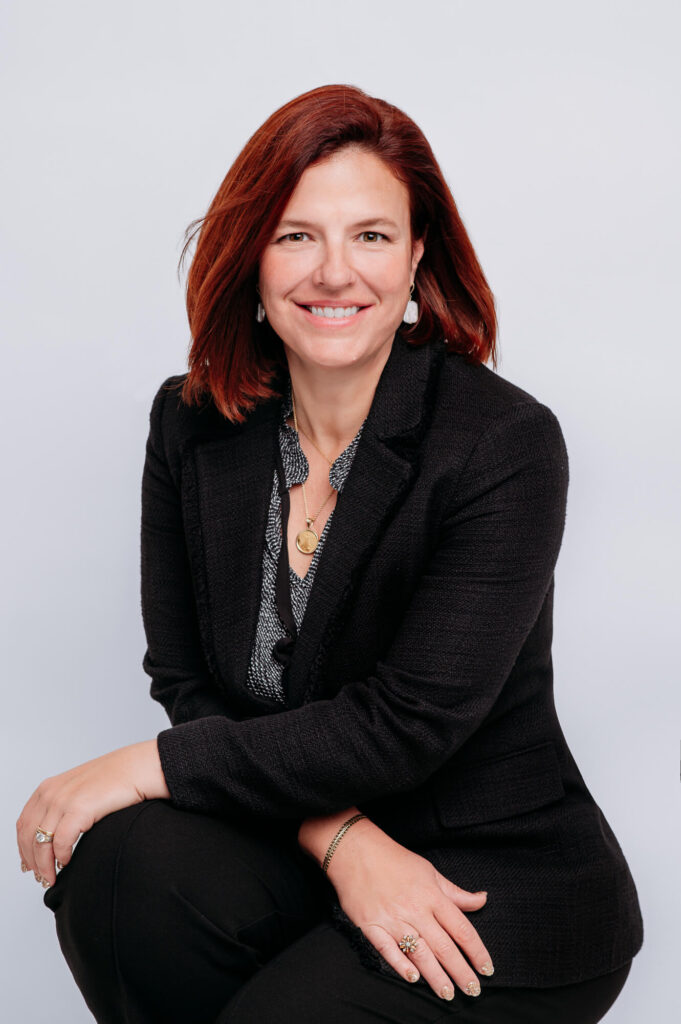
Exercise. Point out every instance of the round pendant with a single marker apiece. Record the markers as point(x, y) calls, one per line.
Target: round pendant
point(306, 541)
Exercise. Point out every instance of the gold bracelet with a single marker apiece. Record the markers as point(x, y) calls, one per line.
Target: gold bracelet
point(337, 838)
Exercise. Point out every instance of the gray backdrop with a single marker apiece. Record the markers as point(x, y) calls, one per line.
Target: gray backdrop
point(553, 124)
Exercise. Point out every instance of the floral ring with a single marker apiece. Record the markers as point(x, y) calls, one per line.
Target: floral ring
point(408, 943)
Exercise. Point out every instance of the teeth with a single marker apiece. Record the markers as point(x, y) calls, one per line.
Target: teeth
point(333, 312)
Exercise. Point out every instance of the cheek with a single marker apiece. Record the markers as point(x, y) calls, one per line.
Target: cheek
point(390, 277)
point(274, 275)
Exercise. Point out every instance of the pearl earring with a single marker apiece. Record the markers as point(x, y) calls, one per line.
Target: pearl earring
point(411, 313)
point(260, 313)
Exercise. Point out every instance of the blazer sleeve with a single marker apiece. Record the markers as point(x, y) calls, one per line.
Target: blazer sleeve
point(475, 603)
point(180, 679)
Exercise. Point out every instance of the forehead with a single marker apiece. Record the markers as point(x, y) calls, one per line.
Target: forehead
point(351, 181)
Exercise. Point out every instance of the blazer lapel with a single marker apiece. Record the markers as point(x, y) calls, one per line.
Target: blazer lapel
point(383, 469)
point(227, 482)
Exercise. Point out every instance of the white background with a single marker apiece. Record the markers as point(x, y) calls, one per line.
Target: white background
point(553, 123)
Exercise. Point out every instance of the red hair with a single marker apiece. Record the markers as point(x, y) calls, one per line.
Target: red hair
point(232, 357)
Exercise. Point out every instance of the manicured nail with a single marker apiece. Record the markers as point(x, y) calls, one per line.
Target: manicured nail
point(38, 877)
point(24, 867)
point(473, 988)
point(412, 976)
point(481, 893)
point(46, 884)
point(487, 968)
point(446, 992)
point(59, 865)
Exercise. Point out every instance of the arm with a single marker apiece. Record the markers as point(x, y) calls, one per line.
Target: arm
point(180, 678)
point(470, 614)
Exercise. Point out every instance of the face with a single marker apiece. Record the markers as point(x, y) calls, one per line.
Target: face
point(342, 246)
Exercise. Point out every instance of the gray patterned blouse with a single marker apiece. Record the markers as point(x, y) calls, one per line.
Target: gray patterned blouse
point(264, 675)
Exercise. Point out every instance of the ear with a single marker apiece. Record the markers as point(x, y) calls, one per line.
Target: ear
point(417, 251)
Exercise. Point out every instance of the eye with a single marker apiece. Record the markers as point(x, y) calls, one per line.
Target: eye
point(292, 235)
point(375, 235)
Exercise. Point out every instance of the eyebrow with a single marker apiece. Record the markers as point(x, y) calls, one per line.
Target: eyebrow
point(370, 221)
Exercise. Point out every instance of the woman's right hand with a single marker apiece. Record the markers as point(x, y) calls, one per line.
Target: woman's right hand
point(389, 891)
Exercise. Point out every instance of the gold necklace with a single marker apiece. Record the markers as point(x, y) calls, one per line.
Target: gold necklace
point(308, 539)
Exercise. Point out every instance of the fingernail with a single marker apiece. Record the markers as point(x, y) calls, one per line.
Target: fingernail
point(487, 968)
point(412, 976)
point(481, 893)
point(38, 877)
point(46, 884)
point(446, 992)
point(24, 867)
point(59, 865)
point(473, 988)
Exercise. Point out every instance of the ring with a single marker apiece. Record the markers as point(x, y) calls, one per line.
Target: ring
point(408, 943)
point(43, 836)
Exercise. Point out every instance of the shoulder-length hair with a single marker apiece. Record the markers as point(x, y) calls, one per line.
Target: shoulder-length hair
point(232, 357)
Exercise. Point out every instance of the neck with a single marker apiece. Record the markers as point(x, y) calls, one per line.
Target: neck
point(332, 402)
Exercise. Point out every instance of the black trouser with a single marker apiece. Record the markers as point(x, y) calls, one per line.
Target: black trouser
point(170, 916)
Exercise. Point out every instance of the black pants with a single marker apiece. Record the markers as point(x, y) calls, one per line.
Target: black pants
point(168, 916)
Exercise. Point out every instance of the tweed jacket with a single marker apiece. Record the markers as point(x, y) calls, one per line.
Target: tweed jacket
point(420, 688)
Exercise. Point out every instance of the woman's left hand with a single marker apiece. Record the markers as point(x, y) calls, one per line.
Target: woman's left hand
point(71, 803)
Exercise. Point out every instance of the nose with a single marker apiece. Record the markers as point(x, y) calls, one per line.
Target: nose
point(334, 269)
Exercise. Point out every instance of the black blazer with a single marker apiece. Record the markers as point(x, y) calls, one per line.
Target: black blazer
point(420, 688)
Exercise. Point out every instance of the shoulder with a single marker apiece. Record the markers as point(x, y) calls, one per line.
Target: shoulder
point(179, 423)
point(473, 398)
point(478, 393)
point(485, 417)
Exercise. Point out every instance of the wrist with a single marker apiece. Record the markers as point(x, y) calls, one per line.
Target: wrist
point(149, 780)
point(316, 835)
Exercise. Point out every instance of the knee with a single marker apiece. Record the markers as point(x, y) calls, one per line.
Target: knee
point(83, 893)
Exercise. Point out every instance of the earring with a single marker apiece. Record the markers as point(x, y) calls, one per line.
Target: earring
point(260, 313)
point(411, 313)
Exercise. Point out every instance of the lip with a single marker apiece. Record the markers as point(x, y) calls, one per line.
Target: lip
point(331, 322)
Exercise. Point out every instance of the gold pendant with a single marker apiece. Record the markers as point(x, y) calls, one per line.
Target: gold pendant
point(306, 541)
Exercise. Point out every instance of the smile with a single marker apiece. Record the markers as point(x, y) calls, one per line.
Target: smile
point(332, 315)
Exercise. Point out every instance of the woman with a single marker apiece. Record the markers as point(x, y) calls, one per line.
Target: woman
point(365, 802)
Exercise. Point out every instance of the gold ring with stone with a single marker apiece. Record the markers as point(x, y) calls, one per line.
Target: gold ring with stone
point(43, 836)
point(408, 943)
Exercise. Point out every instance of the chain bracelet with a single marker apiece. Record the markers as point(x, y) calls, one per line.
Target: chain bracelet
point(337, 838)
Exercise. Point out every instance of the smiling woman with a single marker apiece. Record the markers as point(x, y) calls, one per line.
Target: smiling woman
point(335, 292)
point(364, 801)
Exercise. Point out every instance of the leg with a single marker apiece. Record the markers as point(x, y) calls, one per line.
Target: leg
point(319, 978)
point(162, 914)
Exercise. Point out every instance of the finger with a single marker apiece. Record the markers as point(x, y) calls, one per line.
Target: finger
point(424, 960)
point(66, 830)
point(43, 851)
point(463, 898)
point(24, 866)
point(25, 831)
point(71, 827)
point(458, 929)
point(389, 949)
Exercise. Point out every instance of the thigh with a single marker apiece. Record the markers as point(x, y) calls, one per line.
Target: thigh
point(320, 978)
point(585, 1002)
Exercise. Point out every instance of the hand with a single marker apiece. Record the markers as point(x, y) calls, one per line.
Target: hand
point(389, 891)
point(72, 802)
